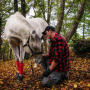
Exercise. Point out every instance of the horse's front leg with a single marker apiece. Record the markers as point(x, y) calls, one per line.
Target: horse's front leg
point(46, 44)
point(21, 62)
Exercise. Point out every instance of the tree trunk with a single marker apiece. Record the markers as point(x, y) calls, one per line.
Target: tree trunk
point(10, 53)
point(0, 39)
point(84, 27)
point(65, 26)
point(43, 11)
point(0, 28)
point(23, 8)
point(61, 15)
point(49, 11)
point(76, 22)
point(15, 5)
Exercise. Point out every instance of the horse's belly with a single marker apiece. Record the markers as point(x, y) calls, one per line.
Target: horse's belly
point(14, 41)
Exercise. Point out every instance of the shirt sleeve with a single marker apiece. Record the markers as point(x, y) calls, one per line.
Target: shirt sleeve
point(58, 50)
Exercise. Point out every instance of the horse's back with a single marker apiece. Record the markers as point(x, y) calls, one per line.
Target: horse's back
point(17, 26)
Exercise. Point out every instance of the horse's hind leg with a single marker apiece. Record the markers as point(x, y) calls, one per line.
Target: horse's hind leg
point(16, 54)
point(21, 59)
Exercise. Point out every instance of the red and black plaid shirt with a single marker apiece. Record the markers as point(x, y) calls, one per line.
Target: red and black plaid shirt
point(59, 53)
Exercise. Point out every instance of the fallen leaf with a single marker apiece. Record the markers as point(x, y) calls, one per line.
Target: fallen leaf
point(75, 85)
point(88, 84)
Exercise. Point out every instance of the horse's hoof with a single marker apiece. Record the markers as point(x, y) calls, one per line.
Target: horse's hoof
point(17, 75)
point(20, 78)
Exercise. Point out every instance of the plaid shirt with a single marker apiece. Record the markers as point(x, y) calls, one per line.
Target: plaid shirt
point(59, 53)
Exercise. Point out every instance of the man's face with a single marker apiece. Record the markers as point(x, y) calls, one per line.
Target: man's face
point(48, 34)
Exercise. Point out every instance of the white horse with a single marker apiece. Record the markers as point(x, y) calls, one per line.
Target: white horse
point(27, 33)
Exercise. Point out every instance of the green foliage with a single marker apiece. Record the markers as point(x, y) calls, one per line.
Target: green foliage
point(6, 51)
point(78, 1)
point(5, 46)
point(6, 8)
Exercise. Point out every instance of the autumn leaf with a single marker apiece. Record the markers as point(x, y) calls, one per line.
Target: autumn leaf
point(88, 85)
point(75, 85)
point(1, 82)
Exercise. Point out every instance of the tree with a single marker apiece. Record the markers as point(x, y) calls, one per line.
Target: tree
point(15, 5)
point(0, 28)
point(76, 22)
point(50, 2)
point(23, 8)
point(61, 15)
point(43, 9)
point(5, 11)
point(0, 39)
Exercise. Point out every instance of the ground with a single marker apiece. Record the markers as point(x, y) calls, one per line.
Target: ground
point(79, 76)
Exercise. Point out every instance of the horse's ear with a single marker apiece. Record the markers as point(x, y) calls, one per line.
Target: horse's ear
point(33, 32)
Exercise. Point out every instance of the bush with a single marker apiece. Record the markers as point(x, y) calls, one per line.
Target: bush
point(81, 46)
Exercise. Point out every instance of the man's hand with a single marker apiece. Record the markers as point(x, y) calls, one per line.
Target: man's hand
point(45, 55)
point(46, 73)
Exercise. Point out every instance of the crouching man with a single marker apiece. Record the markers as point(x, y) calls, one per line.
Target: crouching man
point(56, 63)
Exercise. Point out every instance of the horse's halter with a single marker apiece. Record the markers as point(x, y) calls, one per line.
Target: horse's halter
point(27, 44)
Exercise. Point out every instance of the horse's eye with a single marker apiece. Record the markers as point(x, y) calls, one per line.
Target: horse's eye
point(33, 32)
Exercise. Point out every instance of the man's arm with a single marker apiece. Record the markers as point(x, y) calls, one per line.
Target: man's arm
point(53, 65)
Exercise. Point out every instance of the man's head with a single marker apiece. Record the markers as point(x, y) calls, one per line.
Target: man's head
point(49, 31)
point(48, 28)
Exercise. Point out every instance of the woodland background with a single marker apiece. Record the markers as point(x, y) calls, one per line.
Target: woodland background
point(71, 19)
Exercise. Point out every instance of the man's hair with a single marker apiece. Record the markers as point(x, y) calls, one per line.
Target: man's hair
point(49, 27)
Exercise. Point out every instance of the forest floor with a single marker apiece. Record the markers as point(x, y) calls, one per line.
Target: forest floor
point(79, 76)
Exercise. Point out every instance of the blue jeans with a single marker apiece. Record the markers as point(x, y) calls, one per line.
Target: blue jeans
point(54, 77)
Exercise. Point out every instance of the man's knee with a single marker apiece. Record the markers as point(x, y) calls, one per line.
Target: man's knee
point(50, 81)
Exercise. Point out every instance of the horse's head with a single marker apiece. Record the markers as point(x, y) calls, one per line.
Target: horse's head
point(33, 47)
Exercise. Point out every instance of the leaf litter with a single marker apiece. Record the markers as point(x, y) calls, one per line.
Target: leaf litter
point(79, 76)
